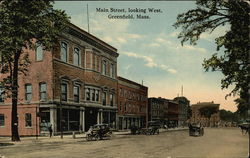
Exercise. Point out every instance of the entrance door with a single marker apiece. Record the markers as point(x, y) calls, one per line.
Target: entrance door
point(90, 117)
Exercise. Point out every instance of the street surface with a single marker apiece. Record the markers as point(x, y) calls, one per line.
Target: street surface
point(216, 143)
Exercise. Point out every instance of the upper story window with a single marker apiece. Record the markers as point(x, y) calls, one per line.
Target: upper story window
point(76, 57)
point(1, 94)
point(2, 122)
point(64, 92)
point(42, 91)
point(97, 95)
point(39, 53)
point(104, 98)
point(64, 51)
point(88, 94)
point(93, 94)
point(28, 121)
point(112, 70)
point(28, 92)
point(76, 94)
point(111, 99)
point(104, 67)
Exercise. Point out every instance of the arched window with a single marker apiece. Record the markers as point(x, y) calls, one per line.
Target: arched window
point(76, 57)
point(64, 51)
point(39, 53)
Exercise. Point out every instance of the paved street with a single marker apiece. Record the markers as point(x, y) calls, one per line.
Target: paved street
point(216, 143)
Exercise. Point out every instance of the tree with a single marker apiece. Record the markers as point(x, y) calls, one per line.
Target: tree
point(229, 116)
point(234, 63)
point(208, 112)
point(24, 25)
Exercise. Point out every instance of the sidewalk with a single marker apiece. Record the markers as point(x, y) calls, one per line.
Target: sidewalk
point(5, 141)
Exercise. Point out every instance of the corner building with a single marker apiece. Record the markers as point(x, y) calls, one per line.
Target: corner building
point(71, 87)
point(132, 104)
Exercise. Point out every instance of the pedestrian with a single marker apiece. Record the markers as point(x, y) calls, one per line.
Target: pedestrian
point(50, 130)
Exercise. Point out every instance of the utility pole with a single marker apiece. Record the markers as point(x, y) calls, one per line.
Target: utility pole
point(88, 16)
point(182, 90)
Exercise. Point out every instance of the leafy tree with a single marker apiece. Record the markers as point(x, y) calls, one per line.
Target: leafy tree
point(243, 105)
point(208, 112)
point(228, 115)
point(234, 63)
point(24, 25)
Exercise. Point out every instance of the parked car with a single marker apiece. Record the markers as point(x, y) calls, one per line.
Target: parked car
point(98, 131)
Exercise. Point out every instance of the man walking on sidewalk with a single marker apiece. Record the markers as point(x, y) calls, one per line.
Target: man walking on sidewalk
point(50, 131)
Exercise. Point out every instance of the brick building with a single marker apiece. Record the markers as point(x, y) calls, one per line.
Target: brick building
point(132, 104)
point(198, 118)
point(158, 110)
point(73, 87)
point(184, 104)
point(173, 113)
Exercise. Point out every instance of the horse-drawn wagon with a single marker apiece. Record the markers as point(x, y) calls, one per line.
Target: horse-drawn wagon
point(196, 130)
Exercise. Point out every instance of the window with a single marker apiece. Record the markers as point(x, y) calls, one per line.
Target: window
point(64, 51)
point(2, 120)
point(1, 94)
point(28, 122)
point(93, 94)
point(104, 96)
point(111, 99)
point(76, 57)
point(96, 63)
point(112, 70)
point(120, 106)
point(88, 94)
point(104, 67)
point(64, 90)
point(42, 91)
point(39, 53)
point(28, 92)
point(76, 94)
point(97, 95)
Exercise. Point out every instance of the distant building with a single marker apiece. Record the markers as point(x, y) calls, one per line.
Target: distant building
point(158, 110)
point(173, 112)
point(198, 118)
point(132, 104)
point(183, 110)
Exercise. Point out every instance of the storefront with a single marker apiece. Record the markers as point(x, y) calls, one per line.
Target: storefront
point(109, 117)
point(70, 120)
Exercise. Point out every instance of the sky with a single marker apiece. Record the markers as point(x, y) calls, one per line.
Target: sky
point(149, 50)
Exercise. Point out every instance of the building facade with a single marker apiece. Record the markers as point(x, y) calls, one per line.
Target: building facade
point(205, 121)
point(173, 113)
point(132, 104)
point(158, 110)
point(184, 103)
point(71, 87)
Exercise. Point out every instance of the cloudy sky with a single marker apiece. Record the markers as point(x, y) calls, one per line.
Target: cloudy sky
point(150, 51)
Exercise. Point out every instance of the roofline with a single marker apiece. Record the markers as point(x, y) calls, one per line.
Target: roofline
point(127, 80)
point(94, 38)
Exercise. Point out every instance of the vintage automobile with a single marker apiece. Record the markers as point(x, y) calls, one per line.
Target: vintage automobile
point(98, 132)
point(153, 128)
point(196, 129)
